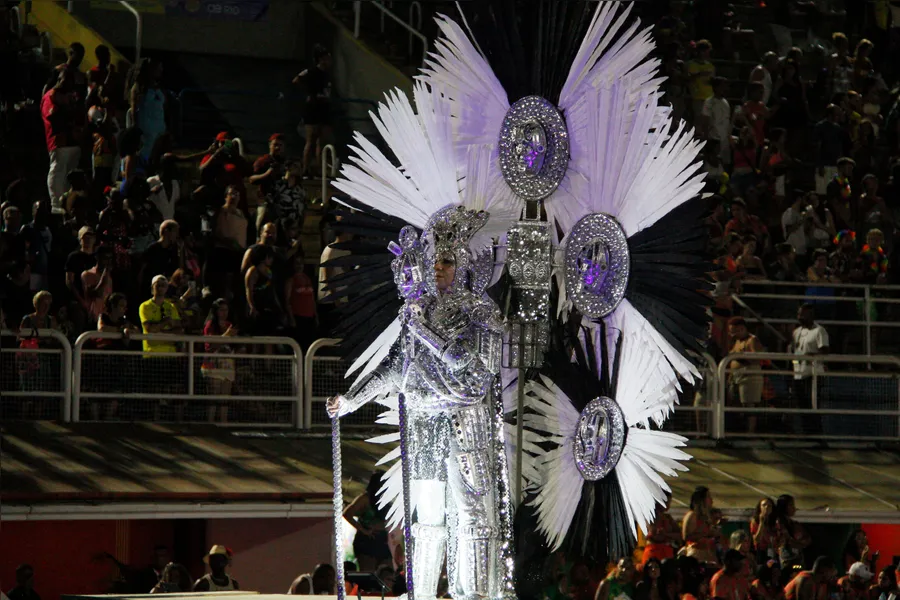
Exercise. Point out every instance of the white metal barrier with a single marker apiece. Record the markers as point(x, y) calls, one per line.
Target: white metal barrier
point(832, 404)
point(31, 377)
point(694, 416)
point(185, 376)
point(868, 302)
point(357, 21)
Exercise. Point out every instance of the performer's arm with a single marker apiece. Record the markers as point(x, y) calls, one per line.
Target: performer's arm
point(478, 337)
point(380, 381)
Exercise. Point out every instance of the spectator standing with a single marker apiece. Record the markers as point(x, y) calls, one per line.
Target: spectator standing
point(370, 544)
point(286, 200)
point(755, 112)
point(317, 109)
point(840, 195)
point(808, 339)
point(104, 148)
point(97, 283)
point(105, 85)
point(789, 94)
point(263, 304)
point(745, 171)
point(163, 256)
point(663, 535)
point(821, 229)
point(857, 550)
point(812, 585)
point(219, 370)
point(701, 71)
point(701, 533)
point(831, 142)
point(763, 528)
point(843, 261)
point(818, 271)
point(841, 65)
point(24, 589)
point(785, 266)
point(855, 584)
point(618, 585)
point(36, 370)
point(59, 111)
point(223, 165)
point(730, 582)
point(115, 227)
point(217, 580)
point(300, 299)
point(749, 385)
point(72, 69)
point(792, 536)
point(77, 263)
point(148, 103)
point(271, 167)
point(793, 223)
point(174, 579)
point(716, 121)
point(114, 320)
point(749, 262)
point(38, 239)
point(873, 261)
point(159, 315)
point(229, 240)
point(764, 74)
point(745, 224)
point(165, 190)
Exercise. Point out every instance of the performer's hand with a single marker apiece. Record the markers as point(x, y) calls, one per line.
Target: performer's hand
point(334, 405)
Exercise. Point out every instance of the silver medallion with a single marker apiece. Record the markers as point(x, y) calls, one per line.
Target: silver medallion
point(534, 148)
point(599, 438)
point(597, 265)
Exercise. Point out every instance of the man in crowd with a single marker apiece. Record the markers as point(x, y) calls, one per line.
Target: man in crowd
point(71, 68)
point(701, 71)
point(619, 584)
point(62, 116)
point(730, 582)
point(159, 315)
point(716, 121)
point(855, 584)
point(97, 284)
point(840, 195)
point(217, 580)
point(164, 256)
point(809, 339)
point(765, 73)
point(270, 167)
point(812, 585)
point(793, 222)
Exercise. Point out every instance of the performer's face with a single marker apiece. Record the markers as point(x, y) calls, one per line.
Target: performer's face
point(444, 272)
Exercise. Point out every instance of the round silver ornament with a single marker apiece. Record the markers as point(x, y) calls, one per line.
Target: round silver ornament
point(533, 148)
point(599, 438)
point(597, 265)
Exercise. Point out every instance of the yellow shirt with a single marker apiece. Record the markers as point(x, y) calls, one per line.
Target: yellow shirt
point(152, 313)
point(701, 88)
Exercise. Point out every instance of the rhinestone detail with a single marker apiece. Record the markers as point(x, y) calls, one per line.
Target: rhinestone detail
point(597, 264)
point(599, 438)
point(533, 148)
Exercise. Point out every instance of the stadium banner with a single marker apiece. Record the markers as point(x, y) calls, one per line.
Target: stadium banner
point(232, 10)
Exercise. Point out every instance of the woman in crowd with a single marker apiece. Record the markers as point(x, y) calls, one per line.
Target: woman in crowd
point(263, 304)
point(370, 545)
point(174, 579)
point(300, 300)
point(764, 529)
point(749, 261)
point(699, 531)
point(886, 586)
point(792, 537)
point(857, 550)
point(650, 585)
point(36, 370)
point(218, 370)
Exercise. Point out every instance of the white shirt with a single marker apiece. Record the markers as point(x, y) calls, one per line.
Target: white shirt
point(766, 82)
point(806, 342)
point(161, 200)
point(719, 113)
point(327, 254)
point(797, 238)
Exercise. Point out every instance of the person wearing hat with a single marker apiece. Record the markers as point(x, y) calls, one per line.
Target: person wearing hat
point(217, 580)
point(224, 165)
point(855, 584)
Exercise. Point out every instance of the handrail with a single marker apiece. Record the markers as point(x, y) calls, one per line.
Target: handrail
point(415, 11)
point(190, 340)
point(758, 317)
point(139, 33)
point(860, 286)
point(65, 392)
point(357, 19)
point(721, 374)
point(307, 377)
point(328, 148)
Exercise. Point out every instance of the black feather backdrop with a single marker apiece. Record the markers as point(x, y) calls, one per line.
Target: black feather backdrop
point(367, 298)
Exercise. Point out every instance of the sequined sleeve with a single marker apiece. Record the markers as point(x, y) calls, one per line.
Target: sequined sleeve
point(382, 380)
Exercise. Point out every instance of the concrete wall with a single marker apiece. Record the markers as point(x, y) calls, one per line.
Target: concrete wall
point(270, 553)
point(278, 35)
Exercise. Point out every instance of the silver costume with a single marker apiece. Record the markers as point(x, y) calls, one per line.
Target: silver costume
point(445, 364)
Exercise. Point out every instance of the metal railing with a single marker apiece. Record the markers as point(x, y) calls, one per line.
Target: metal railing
point(695, 410)
point(412, 31)
point(188, 378)
point(35, 382)
point(813, 403)
point(833, 302)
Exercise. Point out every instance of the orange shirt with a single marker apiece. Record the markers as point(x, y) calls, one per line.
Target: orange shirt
point(729, 587)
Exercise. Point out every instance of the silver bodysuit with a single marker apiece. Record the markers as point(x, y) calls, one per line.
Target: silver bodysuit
point(446, 363)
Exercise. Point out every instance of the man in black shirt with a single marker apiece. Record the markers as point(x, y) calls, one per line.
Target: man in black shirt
point(77, 263)
point(164, 256)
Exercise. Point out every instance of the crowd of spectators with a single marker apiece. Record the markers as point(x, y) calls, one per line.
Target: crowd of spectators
point(130, 236)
